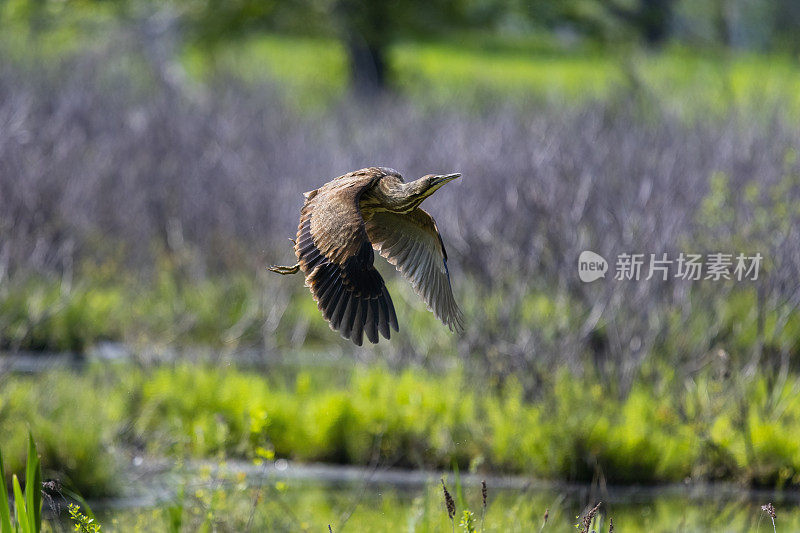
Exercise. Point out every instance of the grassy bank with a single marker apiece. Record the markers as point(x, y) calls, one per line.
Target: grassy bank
point(708, 427)
point(470, 71)
point(479, 74)
point(222, 312)
point(729, 331)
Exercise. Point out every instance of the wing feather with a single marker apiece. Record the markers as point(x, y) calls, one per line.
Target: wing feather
point(412, 243)
point(337, 259)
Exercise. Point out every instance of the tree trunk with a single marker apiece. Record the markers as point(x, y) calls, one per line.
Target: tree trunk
point(367, 66)
point(656, 18)
point(650, 18)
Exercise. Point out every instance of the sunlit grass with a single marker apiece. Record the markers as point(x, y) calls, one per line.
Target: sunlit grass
point(444, 71)
point(314, 73)
point(311, 73)
point(710, 428)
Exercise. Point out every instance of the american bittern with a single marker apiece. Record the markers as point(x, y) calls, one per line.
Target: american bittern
point(340, 224)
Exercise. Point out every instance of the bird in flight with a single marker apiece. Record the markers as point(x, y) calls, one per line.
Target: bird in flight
point(341, 223)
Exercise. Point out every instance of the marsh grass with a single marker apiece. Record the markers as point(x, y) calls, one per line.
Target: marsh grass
point(221, 499)
point(27, 517)
point(450, 505)
point(770, 510)
point(512, 512)
point(587, 523)
point(709, 430)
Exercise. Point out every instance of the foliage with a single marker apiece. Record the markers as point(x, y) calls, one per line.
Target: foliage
point(476, 72)
point(82, 523)
point(27, 505)
point(75, 422)
point(708, 428)
point(467, 522)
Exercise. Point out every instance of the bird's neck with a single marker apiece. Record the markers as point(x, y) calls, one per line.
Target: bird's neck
point(399, 198)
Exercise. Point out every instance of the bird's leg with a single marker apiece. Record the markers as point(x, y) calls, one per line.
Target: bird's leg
point(285, 269)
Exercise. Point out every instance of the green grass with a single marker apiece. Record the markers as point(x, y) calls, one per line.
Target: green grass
point(103, 302)
point(39, 313)
point(468, 70)
point(443, 70)
point(706, 428)
point(27, 505)
point(243, 309)
point(76, 421)
point(313, 73)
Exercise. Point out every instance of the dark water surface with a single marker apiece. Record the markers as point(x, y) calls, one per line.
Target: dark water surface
point(282, 496)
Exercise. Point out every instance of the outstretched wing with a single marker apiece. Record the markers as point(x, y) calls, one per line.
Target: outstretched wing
point(337, 260)
point(412, 243)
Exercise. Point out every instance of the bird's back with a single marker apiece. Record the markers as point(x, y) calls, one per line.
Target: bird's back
point(331, 212)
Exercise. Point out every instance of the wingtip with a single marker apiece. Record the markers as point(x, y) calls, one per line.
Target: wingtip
point(457, 322)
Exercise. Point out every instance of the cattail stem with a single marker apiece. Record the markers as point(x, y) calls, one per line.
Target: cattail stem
point(587, 520)
point(484, 495)
point(770, 510)
point(451, 505)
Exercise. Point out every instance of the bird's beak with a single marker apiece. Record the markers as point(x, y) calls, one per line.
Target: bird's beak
point(438, 181)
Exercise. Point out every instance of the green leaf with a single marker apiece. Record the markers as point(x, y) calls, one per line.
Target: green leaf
point(33, 486)
point(175, 513)
point(5, 511)
point(19, 507)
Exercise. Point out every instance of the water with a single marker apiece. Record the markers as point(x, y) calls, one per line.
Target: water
point(280, 496)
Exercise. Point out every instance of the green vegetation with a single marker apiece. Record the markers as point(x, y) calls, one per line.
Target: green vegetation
point(83, 523)
point(151, 155)
point(42, 313)
point(476, 71)
point(228, 497)
point(27, 505)
point(706, 428)
point(313, 73)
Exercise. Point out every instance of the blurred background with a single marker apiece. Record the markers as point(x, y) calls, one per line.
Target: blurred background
point(152, 160)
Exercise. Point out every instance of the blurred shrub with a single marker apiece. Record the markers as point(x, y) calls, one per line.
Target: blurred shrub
point(77, 420)
point(712, 427)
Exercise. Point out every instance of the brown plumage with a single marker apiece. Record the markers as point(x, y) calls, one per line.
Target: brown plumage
point(341, 223)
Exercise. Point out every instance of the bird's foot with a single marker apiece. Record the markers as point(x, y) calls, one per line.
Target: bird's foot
point(284, 270)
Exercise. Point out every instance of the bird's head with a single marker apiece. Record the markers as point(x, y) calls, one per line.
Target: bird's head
point(420, 189)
